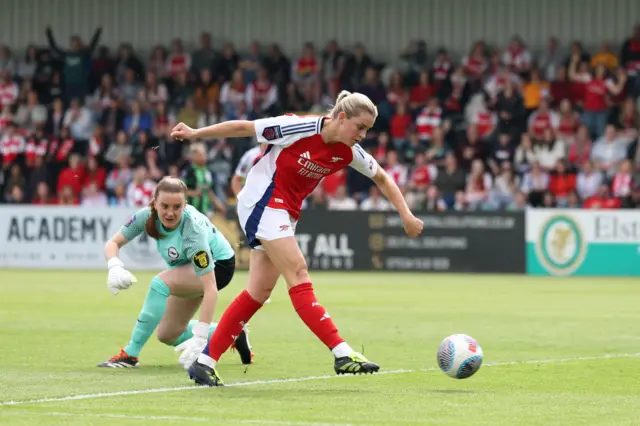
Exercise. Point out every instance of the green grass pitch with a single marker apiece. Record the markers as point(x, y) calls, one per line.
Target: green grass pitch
point(557, 352)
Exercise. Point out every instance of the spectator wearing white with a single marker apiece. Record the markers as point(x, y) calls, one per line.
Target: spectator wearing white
point(211, 116)
point(261, 94)
point(588, 181)
point(232, 94)
point(8, 89)
point(7, 63)
point(535, 183)
point(341, 201)
point(524, 156)
point(551, 59)
point(12, 144)
point(27, 67)
point(505, 186)
point(422, 175)
point(93, 197)
point(479, 183)
point(398, 172)
point(120, 175)
point(121, 148)
point(517, 57)
point(79, 120)
point(622, 181)
point(550, 150)
point(375, 202)
point(608, 151)
point(140, 189)
point(31, 115)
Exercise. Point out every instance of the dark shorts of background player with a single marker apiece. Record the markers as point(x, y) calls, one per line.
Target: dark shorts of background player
point(224, 271)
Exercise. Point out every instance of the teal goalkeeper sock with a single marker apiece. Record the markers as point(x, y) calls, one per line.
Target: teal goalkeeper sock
point(149, 317)
point(187, 333)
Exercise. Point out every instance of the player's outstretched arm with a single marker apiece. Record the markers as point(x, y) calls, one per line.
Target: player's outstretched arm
point(118, 278)
point(412, 225)
point(227, 129)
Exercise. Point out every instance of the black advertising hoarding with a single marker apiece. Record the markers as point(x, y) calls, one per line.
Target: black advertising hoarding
point(482, 242)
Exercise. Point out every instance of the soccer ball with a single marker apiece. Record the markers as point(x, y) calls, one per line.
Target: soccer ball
point(459, 356)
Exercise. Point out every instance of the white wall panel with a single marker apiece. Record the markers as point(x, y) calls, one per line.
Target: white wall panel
point(385, 26)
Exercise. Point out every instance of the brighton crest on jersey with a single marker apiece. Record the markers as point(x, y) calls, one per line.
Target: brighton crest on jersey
point(195, 241)
point(295, 162)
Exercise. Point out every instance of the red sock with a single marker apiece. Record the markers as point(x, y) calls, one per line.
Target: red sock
point(233, 320)
point(314, 316)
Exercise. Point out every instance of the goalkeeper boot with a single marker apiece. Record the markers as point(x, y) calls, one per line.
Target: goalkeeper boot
point(354, 364)
point(243, 347)
point(122, 360)
point(204, 375)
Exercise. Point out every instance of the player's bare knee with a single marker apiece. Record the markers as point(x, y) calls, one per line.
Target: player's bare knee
point(300, 273)
point(167, 336)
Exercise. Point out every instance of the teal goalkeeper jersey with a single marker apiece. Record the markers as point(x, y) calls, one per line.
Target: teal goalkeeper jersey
point(195, 240)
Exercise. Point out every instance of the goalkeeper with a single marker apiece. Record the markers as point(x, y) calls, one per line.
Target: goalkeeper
point(201, 261)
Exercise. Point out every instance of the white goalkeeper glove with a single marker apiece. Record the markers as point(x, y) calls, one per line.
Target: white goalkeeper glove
point(118, 278)
point(193, 347)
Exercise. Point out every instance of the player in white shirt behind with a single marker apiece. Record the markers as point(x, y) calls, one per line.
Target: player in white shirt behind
point(247, 161)
point(301, 152)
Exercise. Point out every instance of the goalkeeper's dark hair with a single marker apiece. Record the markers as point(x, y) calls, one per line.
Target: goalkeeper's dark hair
point(167, 184)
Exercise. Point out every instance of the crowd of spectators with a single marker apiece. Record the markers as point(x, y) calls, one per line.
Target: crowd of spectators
point(497, 127)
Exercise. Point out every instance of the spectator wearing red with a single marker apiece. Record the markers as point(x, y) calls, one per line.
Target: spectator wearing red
point(12, 145)
point(140, 190)
point(484, 120)
point(400, 124)
point(569, 121)
point(442, 67)
point(72, 176)
point(595, 99)
point(622, 181)
point(479, 183)
point(398, 171)
point(428, 119)
point(262, 94)
point(421, 92)
point(561, 183)
point(8, 90)
point(579, 151)
point(543, 119)
point(517, 57)
point(396, 92)
point(179, 61)
point(475, 64)
point(380, 152)
point(562, 88)
point(95, 174)
point(66, 197)
point(603, 200)
point(420, 177)
point(37, 146)
point(43, 195)
point(62, 147)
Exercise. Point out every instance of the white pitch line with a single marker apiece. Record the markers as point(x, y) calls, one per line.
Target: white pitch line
point(302, 379)
point(172, 418)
